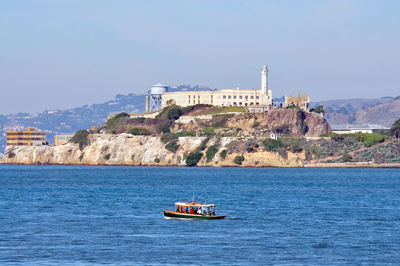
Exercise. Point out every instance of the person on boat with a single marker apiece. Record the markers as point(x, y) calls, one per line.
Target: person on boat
point(191, 211)
point(199, 211)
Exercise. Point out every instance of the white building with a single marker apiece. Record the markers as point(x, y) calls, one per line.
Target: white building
point(224, 97)
point(352, 129)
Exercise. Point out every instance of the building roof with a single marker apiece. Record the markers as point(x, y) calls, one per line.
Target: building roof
point(357, 126)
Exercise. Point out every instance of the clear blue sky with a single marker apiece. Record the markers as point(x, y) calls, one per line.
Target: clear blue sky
point(61, 54)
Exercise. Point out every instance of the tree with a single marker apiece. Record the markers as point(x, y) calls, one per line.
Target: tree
point(174, 113)
point(395, 129)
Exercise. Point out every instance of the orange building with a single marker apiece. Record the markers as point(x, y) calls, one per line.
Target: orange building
point(29, 137)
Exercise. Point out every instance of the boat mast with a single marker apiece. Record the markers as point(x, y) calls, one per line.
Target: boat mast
point(193, 194)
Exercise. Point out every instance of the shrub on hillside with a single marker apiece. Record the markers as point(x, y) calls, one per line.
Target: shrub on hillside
point(139, 119)
point(107, 156)
point(346, 158)
point(139, 131)
point(116, 121)
point(172, 146)
point(81, 138)
point(174, 113)
point(166, 137)
point(318, 109)
point(211, 151)
point(11, 155)
point(271, 144)
point(238, 159)
point(223, 154)
point(193, 158)
point(203, 145)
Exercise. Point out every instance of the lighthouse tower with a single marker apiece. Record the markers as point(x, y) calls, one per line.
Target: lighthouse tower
point(266, 94)
point(264, 80)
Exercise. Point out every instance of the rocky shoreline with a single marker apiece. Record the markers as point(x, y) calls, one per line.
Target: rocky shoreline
point(128, 150)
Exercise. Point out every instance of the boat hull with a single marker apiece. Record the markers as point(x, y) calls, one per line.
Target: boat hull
point(174, 215)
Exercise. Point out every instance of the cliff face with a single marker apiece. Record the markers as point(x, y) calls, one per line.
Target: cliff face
point(125, 149)
point(289, 121)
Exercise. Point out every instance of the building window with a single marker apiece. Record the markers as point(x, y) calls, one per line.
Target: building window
point(234, 103)
point(224, 97)
point(240, 103)
point(251, 97)
point(246, 97)
point(257, 97)
point(240, 97)
point(234, 97)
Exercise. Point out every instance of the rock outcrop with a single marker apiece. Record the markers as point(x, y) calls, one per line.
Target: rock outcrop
point(124, 149)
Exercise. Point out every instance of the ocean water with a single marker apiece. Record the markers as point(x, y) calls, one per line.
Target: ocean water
point(114, 215)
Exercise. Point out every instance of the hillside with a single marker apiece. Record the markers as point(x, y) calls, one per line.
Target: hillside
point(383, 111)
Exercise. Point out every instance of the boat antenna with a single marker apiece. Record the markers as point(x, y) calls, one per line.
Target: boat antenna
point(193, 193)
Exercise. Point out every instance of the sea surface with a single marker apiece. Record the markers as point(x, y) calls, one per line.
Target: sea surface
point(114, 215)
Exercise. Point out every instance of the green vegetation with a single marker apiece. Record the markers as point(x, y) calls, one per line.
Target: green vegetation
point(81, 157)
point(223, 154)
point(166, 137)
point(371, 139)
point(238, 159)
point(139, 131)
point(174, 113)
point(229, 109)
point(271, 144)
point(139, 119)
point(156, 160)
point(208, 131)
point(318, 109)
point(107, 156)
point(346, 158)
point(395, 129)
point(165, 129)
point(292, 144)
point(193, 158)
point(172, 146)
point(81, 138)
point(11, 155)
point(203, 145)
point(116, 121)
point(211, 151)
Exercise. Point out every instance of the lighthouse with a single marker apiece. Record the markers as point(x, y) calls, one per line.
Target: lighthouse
point(264, 80)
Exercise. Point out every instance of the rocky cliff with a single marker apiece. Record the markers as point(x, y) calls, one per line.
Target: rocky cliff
point(124, 149)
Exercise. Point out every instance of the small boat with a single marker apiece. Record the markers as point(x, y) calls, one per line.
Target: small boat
point(193, 211)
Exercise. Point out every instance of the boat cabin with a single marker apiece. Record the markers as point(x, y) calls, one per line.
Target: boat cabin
point(195, 208)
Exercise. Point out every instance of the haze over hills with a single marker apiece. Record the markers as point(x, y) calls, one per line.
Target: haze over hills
point(382, 111)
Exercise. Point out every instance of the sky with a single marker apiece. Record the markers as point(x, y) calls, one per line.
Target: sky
point(65, 53)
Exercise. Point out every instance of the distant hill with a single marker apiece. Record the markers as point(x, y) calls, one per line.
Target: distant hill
point(383, 111)
point(71, 120)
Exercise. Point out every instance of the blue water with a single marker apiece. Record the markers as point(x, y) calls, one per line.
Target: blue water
point(93, 215)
